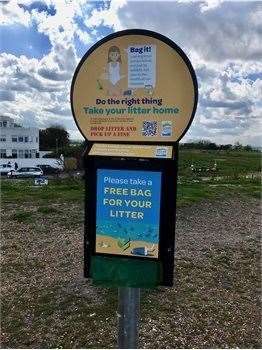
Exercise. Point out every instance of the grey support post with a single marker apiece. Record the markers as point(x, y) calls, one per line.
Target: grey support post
point(128, 317)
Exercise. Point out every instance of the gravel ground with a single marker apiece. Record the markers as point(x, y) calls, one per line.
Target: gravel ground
point(215, 302)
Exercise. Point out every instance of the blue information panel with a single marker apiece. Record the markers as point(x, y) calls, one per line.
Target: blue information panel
point(128, 212)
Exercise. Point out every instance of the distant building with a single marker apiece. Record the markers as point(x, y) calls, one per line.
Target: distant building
point(17, 141)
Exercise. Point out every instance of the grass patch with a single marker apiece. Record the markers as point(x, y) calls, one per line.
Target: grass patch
point(229, 163)
point(189, 191)
point(227, 180)
point(22, 216)
point(48, 210)
point(70, 314)
point(24, 191)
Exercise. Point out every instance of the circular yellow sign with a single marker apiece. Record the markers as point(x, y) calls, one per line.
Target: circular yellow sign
point(134, 86)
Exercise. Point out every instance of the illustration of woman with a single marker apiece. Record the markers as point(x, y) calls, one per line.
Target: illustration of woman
point(114, 62)
point(112, 72)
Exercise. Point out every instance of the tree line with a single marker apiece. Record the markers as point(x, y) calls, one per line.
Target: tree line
point(208, 145)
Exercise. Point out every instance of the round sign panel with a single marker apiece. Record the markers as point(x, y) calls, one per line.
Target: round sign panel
point(134, 86)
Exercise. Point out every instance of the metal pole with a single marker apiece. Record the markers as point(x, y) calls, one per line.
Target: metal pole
point(128, 317)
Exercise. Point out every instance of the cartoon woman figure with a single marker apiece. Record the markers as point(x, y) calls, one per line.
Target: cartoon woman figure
point(112, 72)
point(114, 62)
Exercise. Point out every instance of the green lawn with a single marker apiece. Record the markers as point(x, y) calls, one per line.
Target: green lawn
point(230, 178)
point(68, 190)
point(229, 163)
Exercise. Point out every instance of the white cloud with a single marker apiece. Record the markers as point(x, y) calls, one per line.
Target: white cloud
point(217, 35)
point(13, 13)
point(210, 4)
point(83, 36)
point(222, 41)
point(107, 17)
point(32, 92)
point(41, 87)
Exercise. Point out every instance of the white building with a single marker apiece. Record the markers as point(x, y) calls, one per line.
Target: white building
point(17, 141)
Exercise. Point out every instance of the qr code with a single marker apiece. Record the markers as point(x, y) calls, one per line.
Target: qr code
point(149, 128)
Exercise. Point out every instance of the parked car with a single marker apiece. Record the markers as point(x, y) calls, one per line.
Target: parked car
point(25, 172)
point(5, 168)
point(48, 169)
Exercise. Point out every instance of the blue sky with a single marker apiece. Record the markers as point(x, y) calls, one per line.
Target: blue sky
point(43, 41)
point(27, 41)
